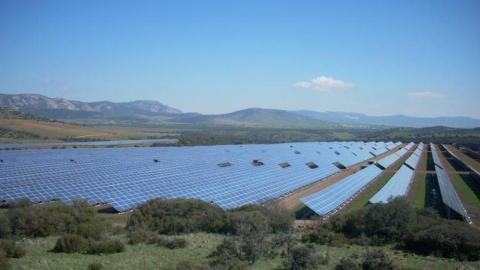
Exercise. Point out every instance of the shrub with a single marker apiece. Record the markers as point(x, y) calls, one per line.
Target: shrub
point(95, 266)
point(377, 260)
point(11, 249)
point(278, 220)
point(71, 243)
point(4, 264)
point(177, 216)
point(138, 237)
point(176, 243)
point(189, 265)
point(450, 239)
point(108, 247)
point(5, 227)
point(305, 257)
point(323, 236)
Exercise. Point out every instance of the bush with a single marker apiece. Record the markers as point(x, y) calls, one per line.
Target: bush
point(176, 243)
point(5, 227)
point(71, 243)
point(4, 264)
point(450, 239)
point(323, 236)
point(177, 216)
point(305, 257)
point(108, 247)
point(278, 220)
point(188, 265)
point(377, 260)
point(27, 220)
point(95, 266)
point(138, 237)
point(11, 249)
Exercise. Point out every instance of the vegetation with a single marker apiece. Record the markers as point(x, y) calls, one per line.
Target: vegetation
point(375, 237)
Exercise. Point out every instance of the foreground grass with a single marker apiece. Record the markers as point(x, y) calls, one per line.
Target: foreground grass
point(420, 192)
point(200, 245)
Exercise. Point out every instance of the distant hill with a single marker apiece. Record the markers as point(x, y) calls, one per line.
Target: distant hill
point(394, 121)
point(251, 118)
point(60, 108)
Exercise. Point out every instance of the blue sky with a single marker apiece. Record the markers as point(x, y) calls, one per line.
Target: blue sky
point(418, 58)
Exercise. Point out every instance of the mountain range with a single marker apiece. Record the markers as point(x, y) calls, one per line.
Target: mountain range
point(63, 109)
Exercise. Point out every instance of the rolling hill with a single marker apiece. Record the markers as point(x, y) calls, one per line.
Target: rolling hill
point(394, 121)
point(254, 117)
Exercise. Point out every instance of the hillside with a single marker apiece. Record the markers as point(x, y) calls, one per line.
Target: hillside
point(394, 121)
point(60, 108)
point(254, 117)
point(17, 126)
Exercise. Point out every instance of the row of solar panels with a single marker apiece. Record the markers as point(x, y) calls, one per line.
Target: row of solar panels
point(398, 185)
point(449, 196)
point(328, 200)
point(400, 182)
point(228, 175)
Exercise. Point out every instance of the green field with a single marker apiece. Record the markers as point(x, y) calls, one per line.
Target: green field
point(420, 195)
point(199, 246)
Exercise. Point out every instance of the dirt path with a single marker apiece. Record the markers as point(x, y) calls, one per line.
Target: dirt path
point(293, 200)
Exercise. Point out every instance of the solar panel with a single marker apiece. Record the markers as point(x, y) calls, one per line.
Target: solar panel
point(331, 198)
point(412, 161)
point(389, 160)
point(449, 196)
point(436, 157)
point(397, 186)
point(126, 177)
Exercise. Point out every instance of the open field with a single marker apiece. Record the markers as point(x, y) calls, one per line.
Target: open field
point(58, 131)
point(199, 246)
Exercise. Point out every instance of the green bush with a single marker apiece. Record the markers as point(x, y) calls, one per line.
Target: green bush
point(177, 216)
point(4, 264)
point(5, 227)
point(12, 249)
point(176, 243)
point(278, 219)
point(95, 266)
point(71, 243)
point(450, 239)
point(377, 260)
point(305, 257)
point(189, 265)
point(55, 218)
point(107, 247)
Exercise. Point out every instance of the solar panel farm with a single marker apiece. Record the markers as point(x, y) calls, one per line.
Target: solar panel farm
point(313, 184)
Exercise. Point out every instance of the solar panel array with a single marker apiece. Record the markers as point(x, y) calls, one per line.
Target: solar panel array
point(409, 146)
point(449, 196)
point(389, 160)
point(436, 158)
point(397, 186)
point(419, 150)
point(126, 177)
point(333, 197)
point(412, 161)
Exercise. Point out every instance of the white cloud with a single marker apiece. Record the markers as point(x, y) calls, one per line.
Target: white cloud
point(428, 95)
point(46, 80)
point(323, 84)
point(64, 87)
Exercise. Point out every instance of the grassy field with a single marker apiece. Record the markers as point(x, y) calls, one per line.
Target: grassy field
point(54, 131)
point(419, 195)
point(200, 245)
